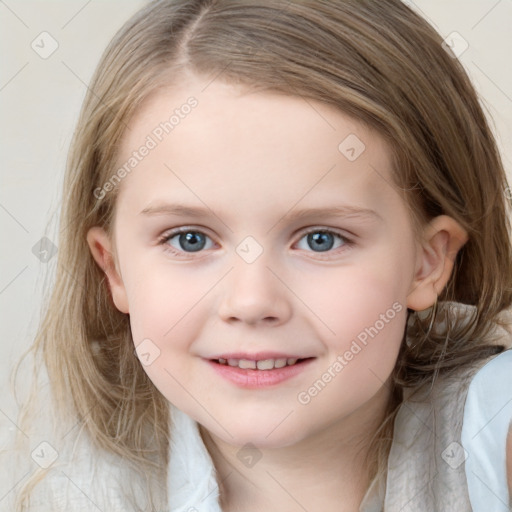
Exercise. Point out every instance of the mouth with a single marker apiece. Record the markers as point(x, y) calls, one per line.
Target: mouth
point(259, 373)
point(260, 364)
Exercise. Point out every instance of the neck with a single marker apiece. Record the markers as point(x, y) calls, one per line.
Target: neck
point(325, 471)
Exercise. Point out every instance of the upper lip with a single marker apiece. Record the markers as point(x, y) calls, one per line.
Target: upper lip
point(258, 356)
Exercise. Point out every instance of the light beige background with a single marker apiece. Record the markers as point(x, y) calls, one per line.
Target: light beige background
point(40, 99)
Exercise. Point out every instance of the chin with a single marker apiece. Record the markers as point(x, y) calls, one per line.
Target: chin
point(263, 434)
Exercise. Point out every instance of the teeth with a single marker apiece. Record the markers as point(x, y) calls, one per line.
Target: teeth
point(279, 363)
point(264, 364)
point(246, 363)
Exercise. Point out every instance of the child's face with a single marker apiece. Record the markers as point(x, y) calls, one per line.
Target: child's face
point(256, 282)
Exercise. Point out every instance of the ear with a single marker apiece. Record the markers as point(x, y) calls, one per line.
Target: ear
point(101, 249)
point(443, 237)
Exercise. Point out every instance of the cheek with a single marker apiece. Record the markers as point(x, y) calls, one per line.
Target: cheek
point(167, 312)
point(362, 315)
point(368, 319)
point(161, 300)
point(352, 298)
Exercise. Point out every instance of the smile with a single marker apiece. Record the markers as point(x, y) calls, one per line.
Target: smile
point(262, 373)
point(263, 364)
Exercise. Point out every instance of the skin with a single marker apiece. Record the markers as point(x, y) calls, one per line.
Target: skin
point(254, 159)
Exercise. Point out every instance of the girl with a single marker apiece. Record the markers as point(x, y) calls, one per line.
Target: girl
point(285, 264)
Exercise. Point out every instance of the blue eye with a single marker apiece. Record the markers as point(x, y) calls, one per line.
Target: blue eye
point(188, 241)
point(323, 240)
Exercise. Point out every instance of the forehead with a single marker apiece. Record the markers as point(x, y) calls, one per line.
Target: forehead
point(236, 149)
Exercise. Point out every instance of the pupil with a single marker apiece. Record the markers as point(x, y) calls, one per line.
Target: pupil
point(322, 241)
point(191, 241)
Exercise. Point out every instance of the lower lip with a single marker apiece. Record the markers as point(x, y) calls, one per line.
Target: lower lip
point(256, 379)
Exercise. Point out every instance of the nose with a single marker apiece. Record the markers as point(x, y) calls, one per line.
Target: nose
point(253, 293)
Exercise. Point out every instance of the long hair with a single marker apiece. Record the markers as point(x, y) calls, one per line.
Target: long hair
point(377, 61)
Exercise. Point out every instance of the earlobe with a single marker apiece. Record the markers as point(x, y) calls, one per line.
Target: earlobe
point(100, 246)
point(443, 238)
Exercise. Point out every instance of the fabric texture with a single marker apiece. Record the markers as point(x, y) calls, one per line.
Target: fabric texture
point(192, 483)
point(487, 419)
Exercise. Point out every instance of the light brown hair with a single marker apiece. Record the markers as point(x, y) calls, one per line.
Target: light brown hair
point(375, 60)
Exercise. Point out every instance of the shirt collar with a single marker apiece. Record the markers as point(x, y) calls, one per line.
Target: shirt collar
point(192, 480)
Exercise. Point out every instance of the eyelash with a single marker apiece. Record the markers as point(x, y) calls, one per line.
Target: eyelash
point(347, 242)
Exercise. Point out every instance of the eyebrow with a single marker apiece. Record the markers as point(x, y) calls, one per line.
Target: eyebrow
point(182, 210)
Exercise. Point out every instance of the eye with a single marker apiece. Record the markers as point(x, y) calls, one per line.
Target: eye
point(185, 241)
point(323, 240)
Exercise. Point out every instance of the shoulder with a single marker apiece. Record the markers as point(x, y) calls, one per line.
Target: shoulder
point(51, 462)
point(509, 462)
point(61, 478)
point(490, 393)
point(59, 474)
point(449, 440)
point(485, 430)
